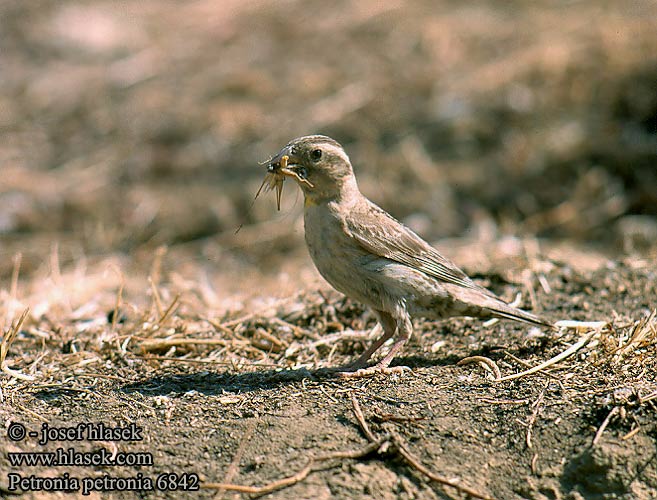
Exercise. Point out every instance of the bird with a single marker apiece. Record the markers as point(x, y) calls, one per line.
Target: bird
point(371, 257)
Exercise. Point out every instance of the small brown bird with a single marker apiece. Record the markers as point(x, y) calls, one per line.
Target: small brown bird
point(365, 253)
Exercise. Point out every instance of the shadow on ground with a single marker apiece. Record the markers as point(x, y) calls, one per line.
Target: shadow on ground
point(212, 384)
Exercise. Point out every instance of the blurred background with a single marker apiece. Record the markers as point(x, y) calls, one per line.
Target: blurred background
point(125, 126)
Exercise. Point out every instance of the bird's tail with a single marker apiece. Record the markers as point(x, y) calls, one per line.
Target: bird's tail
point(503, 310)
point(480, 302)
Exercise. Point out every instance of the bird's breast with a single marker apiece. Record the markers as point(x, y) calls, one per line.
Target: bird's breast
point(327, 242)
point(335, 254)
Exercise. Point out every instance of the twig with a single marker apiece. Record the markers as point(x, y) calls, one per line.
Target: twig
point(321, 388)
point(532, 418)
point(7, 340)
point(483, 361)
point(341, 337)
point(156, 297)
point(358, 413)
point(631, 433)
point(415, 463)
point(544, 283)
point(268, 336)
point(234, 464)
point(604, 425)
point(517, 302)
point(33, 413)
point(295, 328)
point(641, 329)
point(299, 476)
point(237, 321)
point(534, 463)
point(490, 322)
point(649, 397)
point(527, 365)
point(219, 326)
point(398, 445)
point(169, 310)
point(568, 352)
point(566, 323)
point(268, 488)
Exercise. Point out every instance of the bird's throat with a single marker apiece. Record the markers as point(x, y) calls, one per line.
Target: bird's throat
point(310, 201)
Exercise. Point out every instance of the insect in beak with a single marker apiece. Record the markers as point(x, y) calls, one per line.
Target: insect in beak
point(274, 179)
point(277, 171)
point(297, 171)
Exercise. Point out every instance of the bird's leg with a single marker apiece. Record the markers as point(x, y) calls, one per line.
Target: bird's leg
point(390, 325)
point(405, 328)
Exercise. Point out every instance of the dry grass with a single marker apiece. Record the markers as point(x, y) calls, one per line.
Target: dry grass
point(80, 323)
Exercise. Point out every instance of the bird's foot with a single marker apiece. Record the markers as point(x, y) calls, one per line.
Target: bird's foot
point(373, 370)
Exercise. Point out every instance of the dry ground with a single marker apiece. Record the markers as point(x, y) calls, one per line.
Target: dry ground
point(241, 397)
point(522, 137)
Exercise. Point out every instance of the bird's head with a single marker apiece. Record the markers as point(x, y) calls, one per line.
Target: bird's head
point(318, 164)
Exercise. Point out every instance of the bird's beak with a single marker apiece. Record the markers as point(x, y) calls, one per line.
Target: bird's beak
point(287, 164)
point(283, 163)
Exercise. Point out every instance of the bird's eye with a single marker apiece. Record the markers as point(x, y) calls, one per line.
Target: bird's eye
point(316, 154)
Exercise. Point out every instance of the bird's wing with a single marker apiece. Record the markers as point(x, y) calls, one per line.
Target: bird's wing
point(380, 234)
